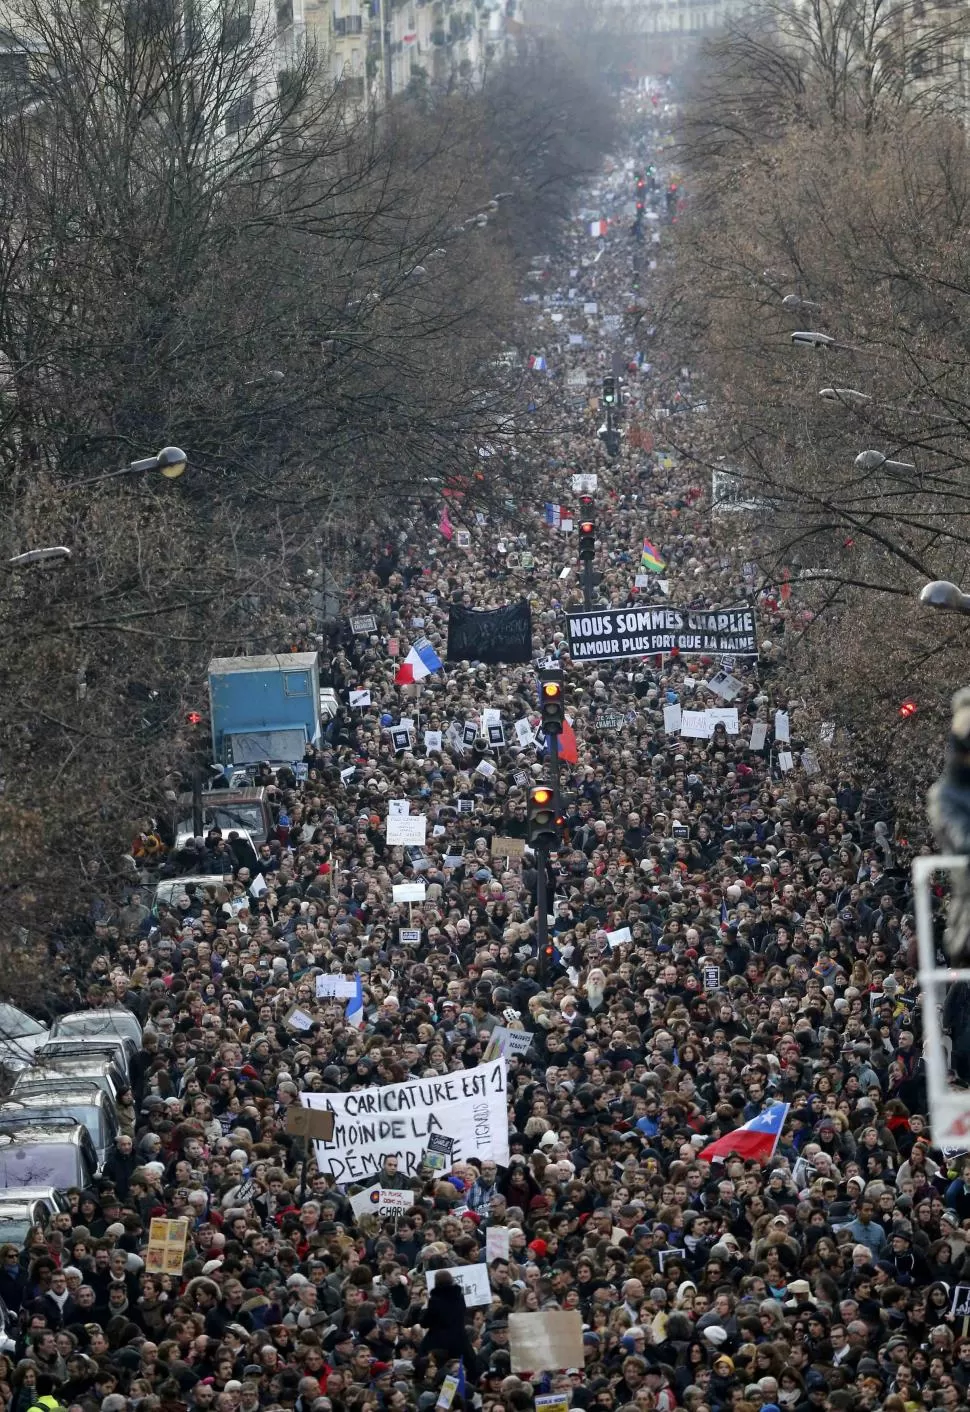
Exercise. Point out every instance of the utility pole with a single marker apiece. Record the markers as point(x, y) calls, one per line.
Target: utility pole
point(542, 834)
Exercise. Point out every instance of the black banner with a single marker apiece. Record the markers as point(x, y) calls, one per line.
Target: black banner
point(601, 634)
point(492, 635)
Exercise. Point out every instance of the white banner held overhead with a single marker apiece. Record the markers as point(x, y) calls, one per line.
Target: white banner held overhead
point(396, 1121)
point(409, 892)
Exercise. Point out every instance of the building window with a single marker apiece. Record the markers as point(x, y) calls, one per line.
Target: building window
point(296, 683)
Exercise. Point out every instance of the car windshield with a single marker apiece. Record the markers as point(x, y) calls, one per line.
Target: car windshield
point(26, 1164)
point(14, 1024)
point(87, 1073)
point(110, 1026)
point(235, 816)
point(14, 1229)
point(81, 1112)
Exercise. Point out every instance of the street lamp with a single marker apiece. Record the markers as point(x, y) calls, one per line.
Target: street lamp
point(795, 301)
point(811, 338)
point(848, 396)
point(54, 554)
point(876, 461)
point(946, 596)
point(171, 461)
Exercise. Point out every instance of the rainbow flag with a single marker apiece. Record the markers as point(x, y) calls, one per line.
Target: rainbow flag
point(651, 559)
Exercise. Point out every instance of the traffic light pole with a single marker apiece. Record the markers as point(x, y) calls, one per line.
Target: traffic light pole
point(587, 583)
point(554, 767)
point(542, 902)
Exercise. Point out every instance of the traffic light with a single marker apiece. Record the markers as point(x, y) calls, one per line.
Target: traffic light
point(587, 541)
point(541, 817)
point(552, 705)
point(193, 718)
point(908, 709)
point(609, 392)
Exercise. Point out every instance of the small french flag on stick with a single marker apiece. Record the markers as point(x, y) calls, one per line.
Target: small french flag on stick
point(597, 228)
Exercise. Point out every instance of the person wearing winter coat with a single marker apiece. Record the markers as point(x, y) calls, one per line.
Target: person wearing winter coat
point(444, 1321)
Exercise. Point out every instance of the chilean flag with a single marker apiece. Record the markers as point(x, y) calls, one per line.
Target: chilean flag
point(420, 662)
point(757, 1139)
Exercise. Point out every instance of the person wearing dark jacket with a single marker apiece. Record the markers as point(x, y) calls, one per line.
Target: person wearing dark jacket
point(119, 1164)
point(13, 1278)
point(444, 1320)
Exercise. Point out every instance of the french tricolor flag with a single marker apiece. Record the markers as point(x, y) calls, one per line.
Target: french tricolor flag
point(420, 662)
point(553, 515)
point(757, 1139)
point(597, 228)
point(354, 1014)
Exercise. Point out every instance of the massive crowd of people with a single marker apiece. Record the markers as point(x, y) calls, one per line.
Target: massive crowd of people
point(770, 958)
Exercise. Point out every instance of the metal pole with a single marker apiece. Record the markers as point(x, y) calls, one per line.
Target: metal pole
point(197, 798)
point(554, 768)
point(542, 902)
point(587, 583)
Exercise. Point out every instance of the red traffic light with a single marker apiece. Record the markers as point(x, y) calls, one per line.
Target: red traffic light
point(908, 709)
point(193, 718)
point(586, 527)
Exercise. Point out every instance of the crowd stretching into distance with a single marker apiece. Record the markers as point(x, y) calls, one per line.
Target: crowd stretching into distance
point(766, 957)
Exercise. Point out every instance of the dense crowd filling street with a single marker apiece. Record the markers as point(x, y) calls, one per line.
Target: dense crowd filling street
point(728, 961)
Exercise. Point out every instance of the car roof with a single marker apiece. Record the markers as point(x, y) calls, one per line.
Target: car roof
point(72, 1063)
point(109, 1012)
point(53, 1130)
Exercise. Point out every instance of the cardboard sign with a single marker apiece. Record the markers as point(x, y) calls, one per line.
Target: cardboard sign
point(316, 1123)
point(166, 1245)
point(504, 847)
point(298, 1019)
point(550, 1341)
point(672, 719)
point(759, 734)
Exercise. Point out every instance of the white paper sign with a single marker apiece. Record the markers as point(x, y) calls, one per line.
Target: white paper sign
point(396, 1120)
point(409, 936)
point(785, 761)
point(360, 698)
point(728, 717)
point(409, 892)
point(782, 726)
point(398, 808)
point(590, 306)
point(759, 734)
point(258, 886)
point(621, 937)
point(642, 581)
point(474, 1283)
point(348, 773)
point(672, 718)
point(336, 987)
point(300, 1020)
point(411, 830)
point(379, 1201)
point(523, 732)
point(491, 717)
point(432, 741)
point(496, 1243)
point(696, 725)
point(486, 768)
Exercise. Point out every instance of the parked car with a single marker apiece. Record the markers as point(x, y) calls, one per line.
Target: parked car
point(22, 1209)
point(81, 1102)
point(20, 1036)
point(96, 1024)
point(56, 1152)
point(170, 889)
point(111, 1047)
point(72, 1068)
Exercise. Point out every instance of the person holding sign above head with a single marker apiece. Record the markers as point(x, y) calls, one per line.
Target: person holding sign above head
point(444, 1320)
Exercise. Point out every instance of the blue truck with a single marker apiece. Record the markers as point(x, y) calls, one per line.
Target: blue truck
point(264, 708)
